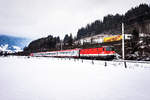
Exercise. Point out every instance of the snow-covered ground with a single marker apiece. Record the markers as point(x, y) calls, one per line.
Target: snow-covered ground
point(23, 78)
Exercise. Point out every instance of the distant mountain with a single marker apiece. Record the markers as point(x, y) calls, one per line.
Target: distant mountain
point(12, 43)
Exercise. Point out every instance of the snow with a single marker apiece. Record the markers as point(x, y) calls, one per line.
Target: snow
point(5, 48)
point(23, 78)
point(17, 49)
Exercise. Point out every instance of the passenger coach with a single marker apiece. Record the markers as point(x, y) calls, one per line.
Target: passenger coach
point(61, 53)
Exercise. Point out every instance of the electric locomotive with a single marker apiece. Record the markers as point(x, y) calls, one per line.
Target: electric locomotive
point(98, 53)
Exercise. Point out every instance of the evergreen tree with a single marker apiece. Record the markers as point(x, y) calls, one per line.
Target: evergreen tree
point(68, 40)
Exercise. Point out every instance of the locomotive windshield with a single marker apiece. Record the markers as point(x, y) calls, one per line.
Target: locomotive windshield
point(109, 49)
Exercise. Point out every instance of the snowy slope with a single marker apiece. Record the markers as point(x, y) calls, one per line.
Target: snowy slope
point(23, 78)
point(12, 43)
point(6, 48)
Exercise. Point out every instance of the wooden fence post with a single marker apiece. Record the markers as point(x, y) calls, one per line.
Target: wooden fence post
point(105, 63)
point(125, 64)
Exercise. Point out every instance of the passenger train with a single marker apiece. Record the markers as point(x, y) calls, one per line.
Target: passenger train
point(90, 53)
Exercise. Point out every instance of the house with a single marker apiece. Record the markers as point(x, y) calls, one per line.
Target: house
point(100, 38)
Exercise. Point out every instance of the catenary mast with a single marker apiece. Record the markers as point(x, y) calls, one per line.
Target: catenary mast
point(123, 38)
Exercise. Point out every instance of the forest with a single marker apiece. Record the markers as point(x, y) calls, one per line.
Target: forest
point(112, 23)
point(48, 43)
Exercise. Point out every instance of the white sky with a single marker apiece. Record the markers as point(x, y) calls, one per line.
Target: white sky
point(38, 18)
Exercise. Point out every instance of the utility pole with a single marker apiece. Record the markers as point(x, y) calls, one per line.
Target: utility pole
point(123, 38)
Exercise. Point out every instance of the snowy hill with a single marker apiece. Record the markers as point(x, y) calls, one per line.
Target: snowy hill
point(12, 44)
point(9, 49)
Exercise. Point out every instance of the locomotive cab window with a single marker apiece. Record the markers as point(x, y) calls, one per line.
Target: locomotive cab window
point(109, 49)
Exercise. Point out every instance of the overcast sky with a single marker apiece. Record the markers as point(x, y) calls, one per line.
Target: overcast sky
point(39, 18)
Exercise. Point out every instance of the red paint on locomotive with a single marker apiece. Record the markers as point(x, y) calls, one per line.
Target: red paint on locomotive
point(100, 50)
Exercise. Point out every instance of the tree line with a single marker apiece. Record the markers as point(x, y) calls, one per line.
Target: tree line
point(112, 23)
point(48, 43)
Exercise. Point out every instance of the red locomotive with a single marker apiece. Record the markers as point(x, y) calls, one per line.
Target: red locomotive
point(98, 53)
point(92, 53)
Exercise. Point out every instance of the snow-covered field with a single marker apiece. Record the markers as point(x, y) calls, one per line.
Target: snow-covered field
point(23, 78)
